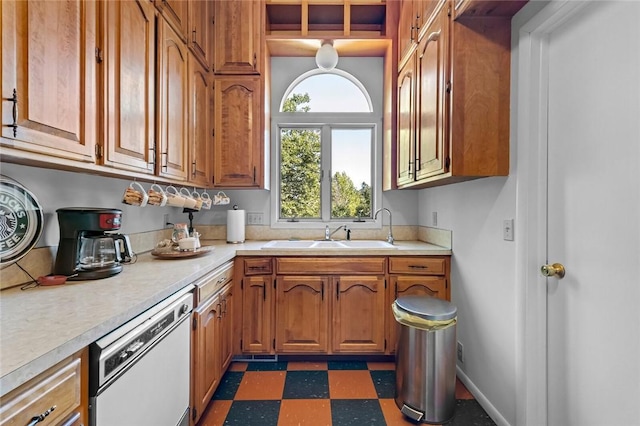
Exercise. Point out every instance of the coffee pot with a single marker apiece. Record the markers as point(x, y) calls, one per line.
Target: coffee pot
point(88, 247)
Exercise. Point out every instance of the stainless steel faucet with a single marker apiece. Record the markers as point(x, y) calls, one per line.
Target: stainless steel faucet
point(390, 239)
point(328, 233)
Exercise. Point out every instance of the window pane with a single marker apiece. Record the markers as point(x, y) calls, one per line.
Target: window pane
point(351, 173)
point(331, 93)
point(299, 173)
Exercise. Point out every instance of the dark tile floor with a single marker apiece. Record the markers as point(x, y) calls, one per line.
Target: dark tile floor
point(318, 394)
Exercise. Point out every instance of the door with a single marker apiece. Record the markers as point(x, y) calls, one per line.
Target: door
point(589, 199)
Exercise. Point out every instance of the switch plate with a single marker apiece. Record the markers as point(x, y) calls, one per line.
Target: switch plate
point(507, 229)
point(460, 350)
point(255, 218)
point(434, 219)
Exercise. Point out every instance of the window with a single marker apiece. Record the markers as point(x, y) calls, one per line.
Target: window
point(326, 149)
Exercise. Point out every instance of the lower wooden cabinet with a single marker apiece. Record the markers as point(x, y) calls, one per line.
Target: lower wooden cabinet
point(63, 386)
point(358, 324)
point(212, 337)
point(331, 305)
point(302, 314)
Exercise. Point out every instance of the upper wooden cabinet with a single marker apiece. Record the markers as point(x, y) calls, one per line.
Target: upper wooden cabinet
point(200, 123)
point(239, 29)
point(129, 67)
point(200, 35)
point(172, 104)
point(238, 149)
point(176, 13)
point(461, 101)
point(49, 78)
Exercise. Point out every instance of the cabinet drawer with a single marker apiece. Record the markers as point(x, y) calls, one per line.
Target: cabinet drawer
point(214, 282)
point(59, 386)
point(258, 266)
point(330, 265)
point(417, 265)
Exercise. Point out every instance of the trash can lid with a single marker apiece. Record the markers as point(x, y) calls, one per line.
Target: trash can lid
point(426, 307)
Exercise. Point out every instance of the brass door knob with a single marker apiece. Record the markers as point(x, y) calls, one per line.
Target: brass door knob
point(555, 270)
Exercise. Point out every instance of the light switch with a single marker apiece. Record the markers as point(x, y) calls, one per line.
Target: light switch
point(507, 229)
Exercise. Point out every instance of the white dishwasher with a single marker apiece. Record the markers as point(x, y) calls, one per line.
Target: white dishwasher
point(140, 372)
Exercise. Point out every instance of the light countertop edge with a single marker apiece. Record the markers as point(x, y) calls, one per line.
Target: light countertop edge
point(38, 329)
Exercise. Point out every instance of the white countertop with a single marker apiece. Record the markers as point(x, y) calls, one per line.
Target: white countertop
point(41, 326)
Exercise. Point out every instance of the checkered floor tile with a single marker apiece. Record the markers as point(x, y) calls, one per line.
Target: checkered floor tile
point(318, 394)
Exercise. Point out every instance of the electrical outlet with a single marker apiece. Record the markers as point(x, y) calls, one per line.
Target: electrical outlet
point(165, 220)
point(460, 352)
point(507, 230)
point(255, 218)
point(434, 218)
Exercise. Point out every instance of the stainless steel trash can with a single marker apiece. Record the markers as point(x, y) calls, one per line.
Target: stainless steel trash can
point(426, 358)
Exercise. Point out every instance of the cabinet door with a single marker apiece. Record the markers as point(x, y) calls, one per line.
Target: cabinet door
point(358, 322)
point(226, 327)
point(431, 114)
point(129, 85)
point(418, 285)
point(201, 31)
point(175, 12)
point(237, 155)
point(200, 123)
point(172, 92)
point(206, 348)
point(238, 36)
point(257, 312)
point(406, 123)
point(302, 314)
point(49, 87)
point(407, 33)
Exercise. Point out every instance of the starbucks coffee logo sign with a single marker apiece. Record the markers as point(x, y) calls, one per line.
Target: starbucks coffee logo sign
point(20, 221)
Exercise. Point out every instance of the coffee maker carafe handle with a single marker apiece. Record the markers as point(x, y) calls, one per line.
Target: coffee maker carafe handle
point(124, 253)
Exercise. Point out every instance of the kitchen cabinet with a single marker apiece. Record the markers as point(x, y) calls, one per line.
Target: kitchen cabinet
point(200, 123)
point(420, 276)
point(212, 334)
point(49, 93)
point(461, 101)
point(349, 290)
point(201, 18)
point(172, 104)
point(302, 314)
point(238, 154)
point(257, 305)
point(175, 12)
point(129, 85)
point(406, 119)
point(63, 387)
point(358, 322)
point(238, 34)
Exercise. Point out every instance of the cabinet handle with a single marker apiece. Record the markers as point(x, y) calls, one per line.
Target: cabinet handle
point(153, 156)
point(322, 292)
point(224, 307)
point(255, 61)
point(264, 292)
point(395, 292)
point(14, 125)
point(337, 290)
point(40, 417)
point(254, 174)
point(193, 168)
point(193, 36)
point(165, 166)
point(418, 267)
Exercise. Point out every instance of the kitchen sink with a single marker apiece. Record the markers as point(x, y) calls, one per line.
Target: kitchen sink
point(320, 245)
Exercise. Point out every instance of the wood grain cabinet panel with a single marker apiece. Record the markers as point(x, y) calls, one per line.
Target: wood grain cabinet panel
point(239, 30)
point(302, 314)
point(200, 123)
point(172, 98)
point(238, 154)
point(64, 386)
point(201, 19)
point(129, 45)
point(257, 314)
point(49, 91)
point(176, 13)
point(358, 322)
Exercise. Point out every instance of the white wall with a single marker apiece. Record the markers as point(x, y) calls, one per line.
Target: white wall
point(483, 268)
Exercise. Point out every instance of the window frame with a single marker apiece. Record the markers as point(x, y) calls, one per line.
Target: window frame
point(281, 120)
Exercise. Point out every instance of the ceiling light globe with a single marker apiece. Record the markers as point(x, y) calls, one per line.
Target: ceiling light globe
point(327, 57)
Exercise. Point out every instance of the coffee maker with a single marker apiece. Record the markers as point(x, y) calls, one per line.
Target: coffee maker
point(87, 246)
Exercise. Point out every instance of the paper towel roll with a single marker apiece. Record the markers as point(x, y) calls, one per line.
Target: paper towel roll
point(235, 226)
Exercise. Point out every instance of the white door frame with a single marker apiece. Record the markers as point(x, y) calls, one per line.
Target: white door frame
point(531, 207)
